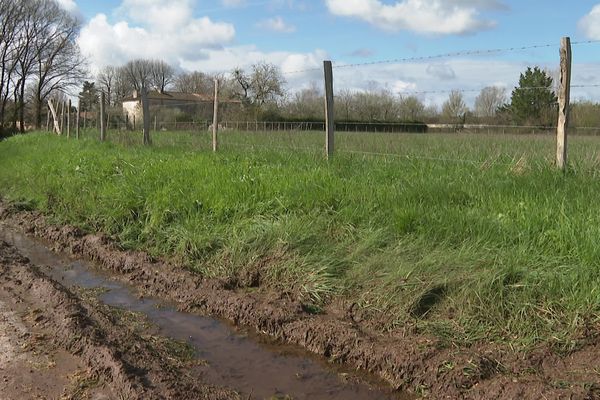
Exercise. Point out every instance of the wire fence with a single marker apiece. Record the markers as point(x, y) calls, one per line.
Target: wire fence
point(475, 141)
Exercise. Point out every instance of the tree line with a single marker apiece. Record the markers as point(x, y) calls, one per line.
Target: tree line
point(39, 58)
point(261, 90)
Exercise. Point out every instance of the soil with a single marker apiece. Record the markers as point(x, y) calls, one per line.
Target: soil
point(406, 361)
point(56, 345)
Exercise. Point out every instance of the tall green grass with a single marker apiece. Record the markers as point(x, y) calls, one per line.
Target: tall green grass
point(502, 247)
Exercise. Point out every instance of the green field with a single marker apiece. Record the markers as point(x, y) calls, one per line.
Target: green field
point(465, 237)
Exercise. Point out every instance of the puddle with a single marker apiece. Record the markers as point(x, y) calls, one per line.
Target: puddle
point(250, 365)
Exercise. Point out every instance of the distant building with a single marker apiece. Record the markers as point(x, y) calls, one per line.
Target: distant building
point(196, 106)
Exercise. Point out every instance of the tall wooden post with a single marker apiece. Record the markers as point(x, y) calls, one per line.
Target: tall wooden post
point(48, 119)
point(62, 118)
point(564, 98)
point(329, 117)
point(215, 130)
point(77, 119)
point(146, 117)
point(155, 123)
point(69, 120)
point(102, 117)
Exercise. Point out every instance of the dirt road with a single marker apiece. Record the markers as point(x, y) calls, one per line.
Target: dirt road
point(55, 344)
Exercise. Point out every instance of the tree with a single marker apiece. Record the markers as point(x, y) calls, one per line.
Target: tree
point(489, 100)
point(88, 97)
point(454, 109)
point(243, 85)
point(38, 56)
point(534, 100)
point(60, 64)
point(194, 82)
point(263, 85)
point(162, 75)
point(138, 73)
point(11, 19)
point(306, 104)
point(106, 81)
point(267, 83)
point(411, 108)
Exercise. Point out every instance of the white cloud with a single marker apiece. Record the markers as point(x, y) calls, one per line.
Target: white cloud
point(163, 29)
point(276, 24)
point(422, 16)
point(590, 23)
point(69, 5)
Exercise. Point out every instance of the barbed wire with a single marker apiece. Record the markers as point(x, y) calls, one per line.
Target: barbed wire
point(442, 55)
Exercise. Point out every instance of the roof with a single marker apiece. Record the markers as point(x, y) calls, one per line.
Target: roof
point(172, 96)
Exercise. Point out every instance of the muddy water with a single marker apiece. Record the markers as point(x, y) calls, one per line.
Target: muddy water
point(250, 365)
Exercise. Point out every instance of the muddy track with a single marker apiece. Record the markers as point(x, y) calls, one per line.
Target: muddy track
point(408, 362)
point(120, 361)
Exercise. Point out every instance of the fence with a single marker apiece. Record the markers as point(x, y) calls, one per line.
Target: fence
point(220, 133)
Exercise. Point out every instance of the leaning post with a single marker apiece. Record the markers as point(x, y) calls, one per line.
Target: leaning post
point(329, 117)
point(564, 98)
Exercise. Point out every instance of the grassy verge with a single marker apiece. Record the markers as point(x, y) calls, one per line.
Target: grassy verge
point(467, 251)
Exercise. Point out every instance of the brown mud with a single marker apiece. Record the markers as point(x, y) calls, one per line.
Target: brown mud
point(56, 345)
point(227, 357)
point(408, 362)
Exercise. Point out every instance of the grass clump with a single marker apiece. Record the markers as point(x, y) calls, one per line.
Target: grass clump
point(466, 251)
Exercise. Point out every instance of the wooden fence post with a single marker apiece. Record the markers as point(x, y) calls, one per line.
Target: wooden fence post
point(69, 120)
point(77, 118)
point(48, 119)
point(102, 118)
point(215, 130)
point(62, 118)
point(146, 117)
point(329, 117)
point(155, 123)
point(564, 98)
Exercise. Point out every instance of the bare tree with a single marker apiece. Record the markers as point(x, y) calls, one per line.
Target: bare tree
point(267, 83)
point(411, 108)
point(11, 18)
point(139, 73)
point(162, 75)
point(106, 81)
point(60, 64)
point(244, 85)
point(38, 55)
point(454, 109)
point(307, 103)
point(122, 86)
point(489, 100)
point(193, 82)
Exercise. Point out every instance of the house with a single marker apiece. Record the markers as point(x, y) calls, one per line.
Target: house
point(168, 105)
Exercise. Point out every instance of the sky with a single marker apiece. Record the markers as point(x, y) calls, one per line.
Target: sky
point(297, 35)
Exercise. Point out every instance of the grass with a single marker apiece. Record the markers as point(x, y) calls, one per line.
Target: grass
point(501, 247)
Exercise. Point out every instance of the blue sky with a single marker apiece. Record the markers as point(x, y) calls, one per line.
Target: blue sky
point(217, 35)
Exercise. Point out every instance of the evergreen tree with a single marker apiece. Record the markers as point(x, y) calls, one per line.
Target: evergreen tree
point(534, 101)
point(89, 96)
